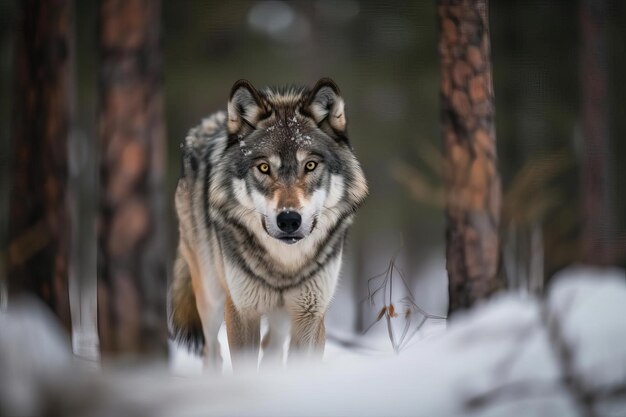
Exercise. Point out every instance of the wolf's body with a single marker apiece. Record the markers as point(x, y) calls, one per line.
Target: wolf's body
point(267, 194)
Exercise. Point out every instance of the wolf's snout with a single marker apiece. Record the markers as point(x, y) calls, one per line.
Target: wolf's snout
point(288, 221)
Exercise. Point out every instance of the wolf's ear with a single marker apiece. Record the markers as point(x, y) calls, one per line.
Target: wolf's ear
point(326, 106)
point(245, 108)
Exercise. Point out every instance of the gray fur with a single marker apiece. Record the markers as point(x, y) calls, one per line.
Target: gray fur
point(227, 209)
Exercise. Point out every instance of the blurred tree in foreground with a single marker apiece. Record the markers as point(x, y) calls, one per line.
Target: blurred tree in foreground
point(39, 221)
point(470, 173)
point(132, 261)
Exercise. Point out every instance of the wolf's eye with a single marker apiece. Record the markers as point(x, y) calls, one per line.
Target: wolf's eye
point(310, 166)
point(264, 168)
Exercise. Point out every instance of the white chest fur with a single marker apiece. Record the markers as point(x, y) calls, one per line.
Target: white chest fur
point(253, 296)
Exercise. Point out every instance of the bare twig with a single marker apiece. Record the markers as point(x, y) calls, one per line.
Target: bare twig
point(531, 389)
point(388, 310)
point(514, 391)
point(565, 357)
point(585, 398)
point(349, 343)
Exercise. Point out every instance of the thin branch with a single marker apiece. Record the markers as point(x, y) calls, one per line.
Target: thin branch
point(388, 310)
point(513, 391)
point(565, 357)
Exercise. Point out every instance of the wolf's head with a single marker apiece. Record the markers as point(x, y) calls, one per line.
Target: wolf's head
point(294, 166)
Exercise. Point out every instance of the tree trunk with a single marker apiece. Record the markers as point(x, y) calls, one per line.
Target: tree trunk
point(132, 263)
point(470, 173)
point(39, 227)
point(597, 213)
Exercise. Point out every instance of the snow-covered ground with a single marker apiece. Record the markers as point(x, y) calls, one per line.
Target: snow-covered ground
point(512, 356)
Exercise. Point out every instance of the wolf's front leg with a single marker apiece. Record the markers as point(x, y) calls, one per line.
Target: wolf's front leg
point(308, 334)
point(274, 341)
point(243, 331)
point(211, 322)
point(308, 337)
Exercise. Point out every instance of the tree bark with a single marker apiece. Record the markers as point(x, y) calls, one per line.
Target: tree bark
point(470, 173)
point(132, 267)
point(39, 228)
point(597, 213)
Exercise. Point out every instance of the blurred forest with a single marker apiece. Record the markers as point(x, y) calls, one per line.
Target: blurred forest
point(383, 55)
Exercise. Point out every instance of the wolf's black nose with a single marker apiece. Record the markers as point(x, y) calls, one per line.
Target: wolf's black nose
point(288, 221)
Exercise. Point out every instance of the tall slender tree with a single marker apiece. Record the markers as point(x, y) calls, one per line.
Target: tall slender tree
point(597, 204)
point(470, 172)
point(39, 228)
point(132, 266)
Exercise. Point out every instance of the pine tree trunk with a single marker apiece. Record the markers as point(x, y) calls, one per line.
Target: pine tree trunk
point(132, 267)
point(470, 171)
point(597, 214)
point(39, 227)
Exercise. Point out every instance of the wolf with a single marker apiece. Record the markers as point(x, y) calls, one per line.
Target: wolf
point(267, 193)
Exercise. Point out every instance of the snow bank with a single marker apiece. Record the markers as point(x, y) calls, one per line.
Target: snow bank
point(513, 356)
